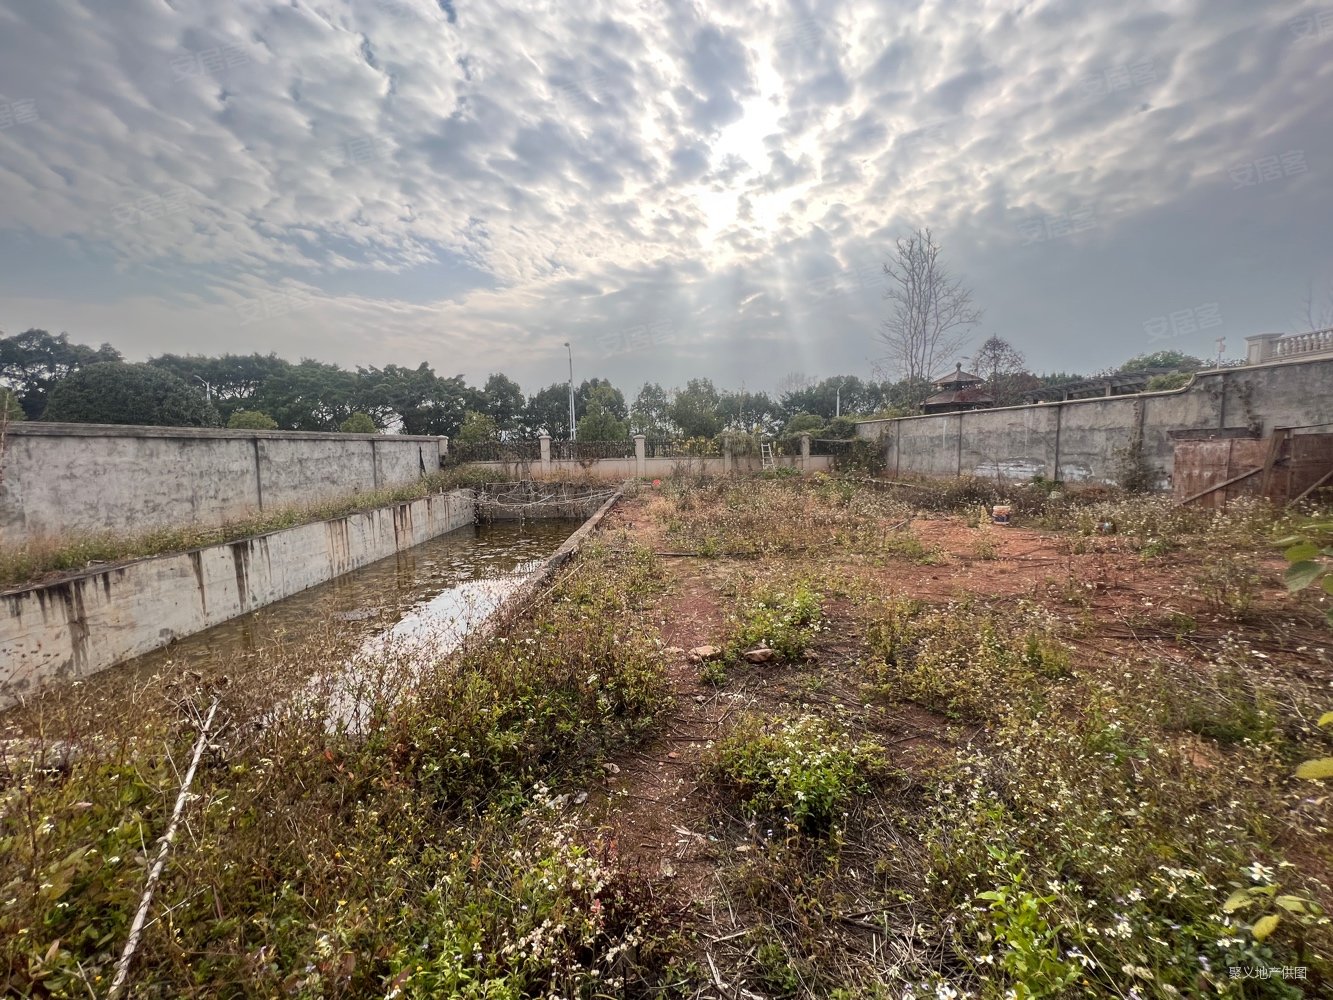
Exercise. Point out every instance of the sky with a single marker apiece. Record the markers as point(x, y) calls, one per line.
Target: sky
point(675, 189)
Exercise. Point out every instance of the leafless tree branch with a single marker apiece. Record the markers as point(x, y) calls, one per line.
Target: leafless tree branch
point(931, 311)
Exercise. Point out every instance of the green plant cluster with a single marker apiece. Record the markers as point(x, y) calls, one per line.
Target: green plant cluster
point(967, 660)
point(803, 773)
point(785, 619)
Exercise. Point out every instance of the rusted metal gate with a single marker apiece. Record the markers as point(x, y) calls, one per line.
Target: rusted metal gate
point(1285, 466)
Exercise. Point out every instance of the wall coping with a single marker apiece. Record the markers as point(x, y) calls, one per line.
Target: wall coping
point(1053, 403)
point(38, 428)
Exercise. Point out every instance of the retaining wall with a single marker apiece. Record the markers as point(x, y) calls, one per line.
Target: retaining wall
point(86, 623)
point(67, 479)
point(1082, 440)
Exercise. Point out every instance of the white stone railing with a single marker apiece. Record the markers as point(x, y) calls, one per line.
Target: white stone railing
point(1276, 346)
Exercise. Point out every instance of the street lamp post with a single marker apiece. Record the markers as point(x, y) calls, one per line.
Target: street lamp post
point(208, 388)
point(573, 430)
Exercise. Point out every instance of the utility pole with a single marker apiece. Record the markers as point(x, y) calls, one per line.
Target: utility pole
point(573, 430)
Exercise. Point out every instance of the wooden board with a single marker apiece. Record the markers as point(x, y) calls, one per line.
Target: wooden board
point(1289, 463)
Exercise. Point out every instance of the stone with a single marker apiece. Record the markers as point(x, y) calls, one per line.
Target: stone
point(610, 768)
point(760, 654)
point(700, 653)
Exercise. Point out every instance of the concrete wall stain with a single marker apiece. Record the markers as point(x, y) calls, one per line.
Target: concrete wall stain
point(240, 558)
point(197, 564)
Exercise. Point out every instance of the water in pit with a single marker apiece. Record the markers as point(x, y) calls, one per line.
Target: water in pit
point(419, 604)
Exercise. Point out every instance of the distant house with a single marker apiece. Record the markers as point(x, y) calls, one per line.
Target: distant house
point(959, 390)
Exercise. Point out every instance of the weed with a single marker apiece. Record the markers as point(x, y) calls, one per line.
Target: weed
point(1229, 584)
point(785, 620)
point(803, 773)
point(984, 547)
point(970, 662)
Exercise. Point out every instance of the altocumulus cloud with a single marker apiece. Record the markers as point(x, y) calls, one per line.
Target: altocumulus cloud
point(676, 189)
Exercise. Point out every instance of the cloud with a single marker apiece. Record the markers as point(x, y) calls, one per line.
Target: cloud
point(472, 184)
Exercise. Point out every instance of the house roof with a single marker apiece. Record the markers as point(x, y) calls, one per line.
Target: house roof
point(959, 377)
point(970, 396)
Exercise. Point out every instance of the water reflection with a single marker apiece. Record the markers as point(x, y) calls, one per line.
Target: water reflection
point(420, 602)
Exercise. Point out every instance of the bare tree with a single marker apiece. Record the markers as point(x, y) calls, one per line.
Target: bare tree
point(1318, 315)
point(932, 311)
point(999, 362)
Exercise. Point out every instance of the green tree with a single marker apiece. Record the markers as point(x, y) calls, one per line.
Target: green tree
point(359, 423)
point(251, 420)
point(310, 396)
point(33, 361)
point(841, 393)
point(803, 422)
point(548, 411)
point(650, 414)
point(695, 409)
point(612, 399)
point(502, 399)
point(748, 412)
point(478, 428)
point(1171, 380)
point(416, 399)
point(234, 380)
point(113, 392)
point(1176, 360)
point(599, 421)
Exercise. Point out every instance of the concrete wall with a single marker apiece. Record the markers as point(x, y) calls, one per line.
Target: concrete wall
point(65, 479)
point(1079, 440)
point(89, 622)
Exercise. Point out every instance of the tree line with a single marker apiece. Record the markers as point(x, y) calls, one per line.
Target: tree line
point(47, 377)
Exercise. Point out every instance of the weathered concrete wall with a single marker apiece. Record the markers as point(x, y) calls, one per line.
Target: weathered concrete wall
point(65, 479)
point(1082, 440)
point(92, 621)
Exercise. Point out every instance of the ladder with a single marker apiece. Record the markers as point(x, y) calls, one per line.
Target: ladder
point(766, 455)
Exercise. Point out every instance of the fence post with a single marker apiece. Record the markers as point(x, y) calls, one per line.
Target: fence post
point(640, 456)
point(545, 442)
point(805, 452)
point(726, 457)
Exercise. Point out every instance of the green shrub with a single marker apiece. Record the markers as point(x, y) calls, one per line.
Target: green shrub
point(803, 772)
point(358, 423)
point(251, 420)
point(785, 620)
